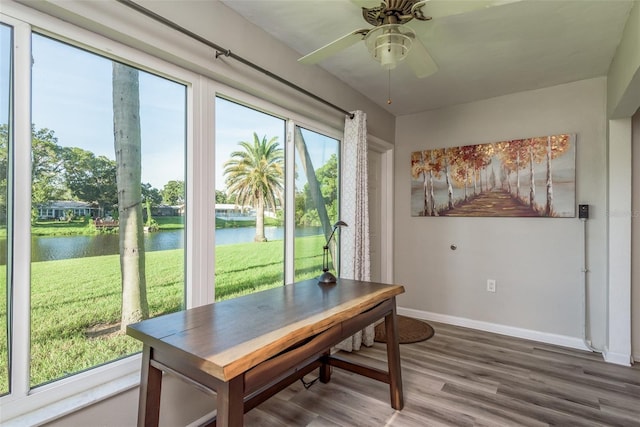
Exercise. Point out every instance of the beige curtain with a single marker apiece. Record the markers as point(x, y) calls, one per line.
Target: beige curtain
point(354, 210)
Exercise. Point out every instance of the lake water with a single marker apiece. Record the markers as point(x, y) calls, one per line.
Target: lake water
point(64, 247)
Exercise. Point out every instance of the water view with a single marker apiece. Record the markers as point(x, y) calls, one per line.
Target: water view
point(49, 248)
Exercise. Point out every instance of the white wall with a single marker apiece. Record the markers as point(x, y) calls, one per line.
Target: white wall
point(180, 405)
point(535, 261)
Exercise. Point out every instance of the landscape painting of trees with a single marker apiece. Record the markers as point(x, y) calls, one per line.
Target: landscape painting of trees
point(531, 177)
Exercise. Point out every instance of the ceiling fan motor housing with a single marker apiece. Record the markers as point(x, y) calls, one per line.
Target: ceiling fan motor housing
point(389, 44)
point(393, 12)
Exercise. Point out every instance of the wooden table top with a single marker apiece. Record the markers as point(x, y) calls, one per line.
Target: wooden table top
point(229, 337)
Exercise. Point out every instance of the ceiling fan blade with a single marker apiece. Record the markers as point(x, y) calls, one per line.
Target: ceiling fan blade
point(333, 47)
point(441, 8)
point(420, 61)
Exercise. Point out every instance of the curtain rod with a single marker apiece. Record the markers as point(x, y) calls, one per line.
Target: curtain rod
point(220, 51)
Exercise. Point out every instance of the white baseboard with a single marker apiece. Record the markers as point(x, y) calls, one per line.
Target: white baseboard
point(545, 337)
point(617, 358)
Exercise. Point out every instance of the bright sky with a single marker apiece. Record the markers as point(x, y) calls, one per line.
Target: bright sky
point(235, 123)
point(71, 92)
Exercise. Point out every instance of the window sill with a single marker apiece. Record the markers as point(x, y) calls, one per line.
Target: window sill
point(49, 402)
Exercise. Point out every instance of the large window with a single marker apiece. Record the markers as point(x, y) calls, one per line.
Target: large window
point(5, 142)
point(108, 179)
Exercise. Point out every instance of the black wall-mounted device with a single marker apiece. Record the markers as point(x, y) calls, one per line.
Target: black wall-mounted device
point(583, 211)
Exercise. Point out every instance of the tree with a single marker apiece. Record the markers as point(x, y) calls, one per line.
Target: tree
point(90, 178)
point(428, 160)
point(535, 151)
point(556, 146)
point(150, 197)
point(221, 196)
point(255, 175)
point(301, 207)
point(173, 193)
point(513, 153)
point(327, 181)
point(431, 166)
point(327, 176)
point(46, 168)
point(127, 142)
point(420, 168)
point(460, 168)
point(150, 194)
point(482, 159)
point(442, 161)
point(314, 187)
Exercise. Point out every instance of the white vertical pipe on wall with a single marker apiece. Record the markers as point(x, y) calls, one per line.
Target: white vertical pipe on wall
point(635, 239)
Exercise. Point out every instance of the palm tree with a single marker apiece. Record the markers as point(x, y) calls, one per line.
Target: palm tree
point(255, 176)
point(127, 142)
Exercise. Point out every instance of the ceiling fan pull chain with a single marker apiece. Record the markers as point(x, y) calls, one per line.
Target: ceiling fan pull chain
point(389, 87)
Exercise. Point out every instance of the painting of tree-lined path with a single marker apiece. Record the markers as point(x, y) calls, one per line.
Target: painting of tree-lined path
point(531, 177)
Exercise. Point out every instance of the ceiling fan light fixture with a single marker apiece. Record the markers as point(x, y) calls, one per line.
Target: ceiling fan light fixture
point(389, 44)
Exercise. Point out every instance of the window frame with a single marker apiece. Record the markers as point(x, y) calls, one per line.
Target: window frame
point(27, 406)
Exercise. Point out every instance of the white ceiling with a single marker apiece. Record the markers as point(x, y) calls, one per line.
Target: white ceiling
point(513, 47)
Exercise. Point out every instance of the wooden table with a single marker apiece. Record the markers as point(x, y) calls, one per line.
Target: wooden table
point(249, 348)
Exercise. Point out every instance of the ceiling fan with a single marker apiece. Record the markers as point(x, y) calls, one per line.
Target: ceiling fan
point(391, 40)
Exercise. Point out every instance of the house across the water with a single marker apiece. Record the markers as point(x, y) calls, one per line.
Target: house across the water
point(230, 211)
point(58, 209)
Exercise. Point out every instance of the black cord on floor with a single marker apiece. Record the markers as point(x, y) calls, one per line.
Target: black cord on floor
point(308, 385)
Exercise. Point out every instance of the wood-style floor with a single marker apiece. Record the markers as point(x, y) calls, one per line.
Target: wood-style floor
point(464, 377)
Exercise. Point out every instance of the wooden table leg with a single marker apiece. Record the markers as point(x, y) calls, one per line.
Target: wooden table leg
point(325, 368)
point(150, 389)
point(393, 359)
point(230, 402)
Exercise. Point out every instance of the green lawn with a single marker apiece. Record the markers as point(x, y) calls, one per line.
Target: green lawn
point(76, 302)
point(63, 228)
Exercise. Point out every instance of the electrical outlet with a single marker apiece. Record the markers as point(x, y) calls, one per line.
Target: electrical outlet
point(491, 285)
